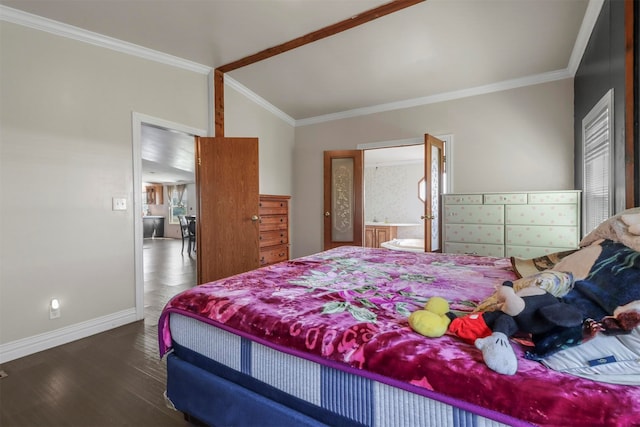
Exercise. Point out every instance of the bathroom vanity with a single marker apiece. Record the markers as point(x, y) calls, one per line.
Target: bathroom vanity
point(376, 233)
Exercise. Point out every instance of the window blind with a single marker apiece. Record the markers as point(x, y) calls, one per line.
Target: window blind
point(597, 135)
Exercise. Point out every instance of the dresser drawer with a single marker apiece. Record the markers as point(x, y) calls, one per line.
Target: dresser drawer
point(274, 254)
point(275, 222)
point(462, 199)
point(472, 214)
point(554, 198)
point(505, 198)
point(271, 238)
point(273, 207)
point(474, 249)
point(542, 235)
point(542, 214)
point(472, 233)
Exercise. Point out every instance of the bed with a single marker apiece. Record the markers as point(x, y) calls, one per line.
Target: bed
point(324, 340)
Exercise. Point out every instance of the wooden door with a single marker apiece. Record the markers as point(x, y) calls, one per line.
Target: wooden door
point(434, 176)
point(227, 185)
point(343, 198)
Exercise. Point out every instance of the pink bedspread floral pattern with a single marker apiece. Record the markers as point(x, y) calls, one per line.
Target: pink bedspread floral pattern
point(349, 306)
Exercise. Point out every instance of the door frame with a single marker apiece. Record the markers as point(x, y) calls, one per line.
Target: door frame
point(137, 120)
point(448, 147)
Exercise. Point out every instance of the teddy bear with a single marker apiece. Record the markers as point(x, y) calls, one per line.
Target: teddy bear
point(530, 310)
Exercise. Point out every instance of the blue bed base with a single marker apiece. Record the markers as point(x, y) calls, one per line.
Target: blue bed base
point(216, 401)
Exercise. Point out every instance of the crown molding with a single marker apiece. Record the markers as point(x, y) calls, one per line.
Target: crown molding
point(447, 96)
point(69, 31)
point(232, 83)
point(33, 21)
point(582, 40)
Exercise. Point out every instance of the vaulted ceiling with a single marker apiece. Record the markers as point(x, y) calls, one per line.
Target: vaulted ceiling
point(431, 51)
point(432, 48)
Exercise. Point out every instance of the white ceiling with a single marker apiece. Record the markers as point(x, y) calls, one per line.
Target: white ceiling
point(429, 51)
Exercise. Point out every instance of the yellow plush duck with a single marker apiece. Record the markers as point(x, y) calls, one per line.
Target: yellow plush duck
point(432, 321)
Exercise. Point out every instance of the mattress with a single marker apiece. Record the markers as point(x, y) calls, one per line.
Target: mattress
point(357, 400)
point(320, 329)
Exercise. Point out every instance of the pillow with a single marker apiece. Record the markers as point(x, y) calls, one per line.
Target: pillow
point(623, 227)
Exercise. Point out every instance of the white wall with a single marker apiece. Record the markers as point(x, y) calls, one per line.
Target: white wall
point(519, 139)
point(66, 145)
point(245, 118)
point(65, 151)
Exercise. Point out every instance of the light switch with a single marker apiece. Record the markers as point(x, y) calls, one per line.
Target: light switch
point(119, 204)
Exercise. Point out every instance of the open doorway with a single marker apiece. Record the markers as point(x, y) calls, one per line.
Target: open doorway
point(394, 192)
point(164, 190)
point(392, 206)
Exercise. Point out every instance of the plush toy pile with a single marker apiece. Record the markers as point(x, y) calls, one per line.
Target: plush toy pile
point(554, 309)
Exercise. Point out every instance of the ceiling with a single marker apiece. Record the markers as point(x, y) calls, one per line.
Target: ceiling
point(429, 51)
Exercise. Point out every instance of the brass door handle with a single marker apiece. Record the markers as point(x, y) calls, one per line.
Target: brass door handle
point(427, 217)
point(327, 214)
point(254, 218)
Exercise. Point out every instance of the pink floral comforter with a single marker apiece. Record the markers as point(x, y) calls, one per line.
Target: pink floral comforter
point(348, 307)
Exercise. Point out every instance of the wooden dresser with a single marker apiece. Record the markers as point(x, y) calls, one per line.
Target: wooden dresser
point(274, 229)
point(519, 224)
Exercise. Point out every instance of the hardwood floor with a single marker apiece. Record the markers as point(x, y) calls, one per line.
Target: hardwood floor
point(110, 379)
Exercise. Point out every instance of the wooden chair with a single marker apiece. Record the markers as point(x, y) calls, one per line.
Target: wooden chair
point(188, 231)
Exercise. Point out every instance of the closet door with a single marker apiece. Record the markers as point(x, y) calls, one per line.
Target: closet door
point(227, 184)
point(343, 198)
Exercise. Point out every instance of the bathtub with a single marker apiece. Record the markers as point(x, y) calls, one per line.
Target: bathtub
point(408, 245)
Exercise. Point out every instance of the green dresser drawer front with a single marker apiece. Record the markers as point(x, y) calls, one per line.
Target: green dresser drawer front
point(528, 252)
point(569, 197)
point(505, 198)
point(542, 235)
point(474, 249)
point(542, 215)
point(473, 233)
point(462, 199)
point(472, 214)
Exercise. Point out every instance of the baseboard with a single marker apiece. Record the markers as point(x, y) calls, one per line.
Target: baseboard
point(26, 346)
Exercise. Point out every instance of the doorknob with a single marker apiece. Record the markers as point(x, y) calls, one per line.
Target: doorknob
point(254, 218)
point(327, 214)
point(427, 217)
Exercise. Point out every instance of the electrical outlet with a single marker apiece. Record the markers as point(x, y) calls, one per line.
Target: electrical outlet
point(119, 204)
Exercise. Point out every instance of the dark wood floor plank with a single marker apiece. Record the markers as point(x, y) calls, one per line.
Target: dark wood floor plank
point(115, 378)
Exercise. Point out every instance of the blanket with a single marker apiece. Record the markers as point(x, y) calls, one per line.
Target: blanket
point(348, 307)
point(614, 280)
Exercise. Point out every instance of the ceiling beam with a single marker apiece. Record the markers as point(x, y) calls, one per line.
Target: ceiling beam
point(320, 34)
